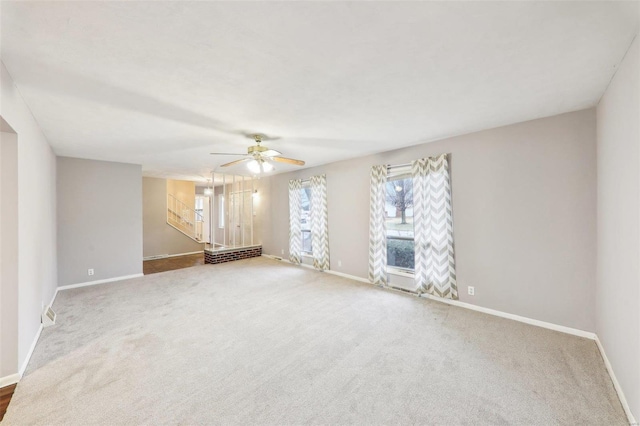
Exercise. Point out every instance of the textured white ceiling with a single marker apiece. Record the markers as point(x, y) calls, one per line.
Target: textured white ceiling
point(163, 84)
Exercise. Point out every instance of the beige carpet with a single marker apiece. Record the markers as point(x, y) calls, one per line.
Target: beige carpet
point(263, 342)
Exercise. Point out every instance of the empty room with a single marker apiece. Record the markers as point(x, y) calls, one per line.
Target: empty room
point(344, 212)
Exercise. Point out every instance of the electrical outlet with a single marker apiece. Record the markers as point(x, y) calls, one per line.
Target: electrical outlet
point(90, 271)
point(282, 251)
point(339, 263)
point(471, 291)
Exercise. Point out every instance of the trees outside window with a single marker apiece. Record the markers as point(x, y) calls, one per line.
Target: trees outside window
point(399, 221)
point(400, 195)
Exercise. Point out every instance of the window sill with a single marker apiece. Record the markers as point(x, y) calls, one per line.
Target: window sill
point(309, 255)
point(400, 272)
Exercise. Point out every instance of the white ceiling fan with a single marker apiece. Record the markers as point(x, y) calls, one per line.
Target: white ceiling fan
point(258, 157)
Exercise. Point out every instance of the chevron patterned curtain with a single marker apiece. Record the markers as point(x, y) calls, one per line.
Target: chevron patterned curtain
point(295, 231)
point(319, 222)
point(435, 271)
point(377, 226)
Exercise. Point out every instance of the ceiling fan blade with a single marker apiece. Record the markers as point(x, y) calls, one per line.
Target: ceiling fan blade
point(235, 162)
point(224, 153)
point(288, 161)
point(270, 153)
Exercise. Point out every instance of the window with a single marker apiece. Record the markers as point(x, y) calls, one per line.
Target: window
point(199, 205)
point(305, 217)
point(399, 220)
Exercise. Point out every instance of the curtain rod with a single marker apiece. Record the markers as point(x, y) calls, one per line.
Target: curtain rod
point(397, 166)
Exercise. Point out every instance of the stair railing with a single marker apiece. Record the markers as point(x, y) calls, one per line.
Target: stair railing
point(184, 218)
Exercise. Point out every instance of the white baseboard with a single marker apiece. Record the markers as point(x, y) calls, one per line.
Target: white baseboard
point(304, 265)
point(165, 256)
point(15, 378)
point(23, 367)
point(616, 384)
point(108, 280)
point(351, 277)
point(270, 256)
point(530, 321)
point(155, 257)
point(9, 380)
point(186, 254)
point(53, 299)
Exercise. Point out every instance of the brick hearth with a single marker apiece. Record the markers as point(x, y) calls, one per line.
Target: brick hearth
point(229, 255)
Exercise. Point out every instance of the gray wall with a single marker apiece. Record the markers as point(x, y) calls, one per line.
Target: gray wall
point(618, 282)
point(159, 238)
point(524, 205)
point(99, 220)
point(8, 252)
point(37, 261)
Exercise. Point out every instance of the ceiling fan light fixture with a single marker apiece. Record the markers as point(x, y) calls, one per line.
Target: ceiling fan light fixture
point(259, 165)
point(254, 166)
